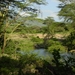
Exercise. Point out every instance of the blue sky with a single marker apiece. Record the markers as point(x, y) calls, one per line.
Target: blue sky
point(50, 10)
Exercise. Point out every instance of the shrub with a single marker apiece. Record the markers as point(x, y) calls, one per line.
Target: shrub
point(37, 39)
point(28, 64)
point(63, 66)
point(56, 47)
point(70, 41)
point(54, 44)
point(8, 66)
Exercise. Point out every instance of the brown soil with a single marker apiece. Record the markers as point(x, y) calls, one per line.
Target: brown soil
point(20, 37)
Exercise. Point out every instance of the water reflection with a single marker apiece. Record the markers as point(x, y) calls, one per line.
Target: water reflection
point(41, 52)
point(45, 54)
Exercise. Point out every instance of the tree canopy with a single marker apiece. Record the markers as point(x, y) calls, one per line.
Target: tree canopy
point(67, 10)
point(14, 6)
point(11, 9)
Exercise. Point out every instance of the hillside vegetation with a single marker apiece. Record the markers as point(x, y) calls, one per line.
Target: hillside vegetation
point(22, 33)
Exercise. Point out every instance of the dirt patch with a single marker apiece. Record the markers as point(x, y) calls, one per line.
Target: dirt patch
point(59, 36)
point(40, 35)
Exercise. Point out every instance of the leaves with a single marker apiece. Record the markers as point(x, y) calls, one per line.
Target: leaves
point(67, 10)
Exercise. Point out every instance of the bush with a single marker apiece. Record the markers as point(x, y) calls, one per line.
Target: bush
point(70, 41)
point(37, 39)
point(51, 41)
point(8, 66)
point(56, 47)
point(11, 46)
point(63, 66)
point(28, 64)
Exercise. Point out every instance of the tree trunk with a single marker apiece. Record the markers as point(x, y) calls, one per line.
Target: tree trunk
point(4, 43)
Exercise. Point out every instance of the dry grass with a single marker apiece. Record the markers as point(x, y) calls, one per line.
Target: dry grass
point(17, 36)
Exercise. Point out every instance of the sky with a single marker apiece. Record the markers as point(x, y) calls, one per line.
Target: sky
point(50, 10)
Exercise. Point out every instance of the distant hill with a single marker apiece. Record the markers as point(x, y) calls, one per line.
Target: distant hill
point(31, 21)
point(34, 23)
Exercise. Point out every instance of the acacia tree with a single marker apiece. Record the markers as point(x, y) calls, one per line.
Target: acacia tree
point(67, 10)
point(49, 21)
point(9, 10)
point(49, 30)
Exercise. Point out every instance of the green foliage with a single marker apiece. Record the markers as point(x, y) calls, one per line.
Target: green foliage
point(28, 64)
point(26, 45)
point(31, 64)
point(54, 44)
point(56, 56)
point(50, 28)
point(67, 10)
point(48, 20)
point(11, 47)
point(8, 66)
point(70, 41)
point(37, 39)
point(1, 41)
point(63, 66)
point(9, 16)
point(51, 42)
point(56, 47)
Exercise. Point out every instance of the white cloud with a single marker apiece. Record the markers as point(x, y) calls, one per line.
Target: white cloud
point(24, 14)
point(55, 1)
point(49, 13)
point(53, 14)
